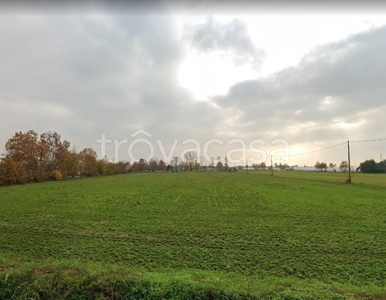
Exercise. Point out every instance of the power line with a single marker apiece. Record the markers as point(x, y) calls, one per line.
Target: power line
point(373, 140)
point(334, 146)
point(309, 152)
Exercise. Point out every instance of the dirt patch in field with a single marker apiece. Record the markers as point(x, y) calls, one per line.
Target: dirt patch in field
point(45, 270)
point(6, 269)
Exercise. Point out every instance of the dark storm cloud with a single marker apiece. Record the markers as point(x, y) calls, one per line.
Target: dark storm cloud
point(231, 38)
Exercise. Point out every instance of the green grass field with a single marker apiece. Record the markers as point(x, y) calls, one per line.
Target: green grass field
point(195, 235)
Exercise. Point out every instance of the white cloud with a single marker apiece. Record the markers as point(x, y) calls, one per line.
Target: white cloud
point(84, 75)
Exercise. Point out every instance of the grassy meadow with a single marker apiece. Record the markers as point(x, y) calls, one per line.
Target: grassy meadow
point(207, 235)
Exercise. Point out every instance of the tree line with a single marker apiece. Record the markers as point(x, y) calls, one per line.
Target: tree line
point(368, 166)
point(322, 166)
point(30, 157)
point(371, 166)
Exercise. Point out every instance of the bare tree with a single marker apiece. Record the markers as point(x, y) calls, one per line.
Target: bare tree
point(191, 159)
point(153, 163)
point(203, 163)
point(226, 167)
point(343, 166)
point(175, 162)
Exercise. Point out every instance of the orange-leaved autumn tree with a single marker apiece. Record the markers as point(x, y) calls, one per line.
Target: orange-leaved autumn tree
point(11, 172)
point(55, 153)
point(40, 155)
point(23, 148)
point(161, 165)
point(32, 157)
point(88, 162)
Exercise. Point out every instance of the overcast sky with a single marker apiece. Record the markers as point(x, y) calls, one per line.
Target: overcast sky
point(315, 78)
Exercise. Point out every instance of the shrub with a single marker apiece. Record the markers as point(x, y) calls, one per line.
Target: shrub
point(57, 175)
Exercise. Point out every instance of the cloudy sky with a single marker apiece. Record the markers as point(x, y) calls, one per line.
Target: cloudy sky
point(313, 77)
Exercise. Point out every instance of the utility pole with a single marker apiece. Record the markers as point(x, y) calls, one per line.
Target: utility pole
point(349, 162)
point(271, 167)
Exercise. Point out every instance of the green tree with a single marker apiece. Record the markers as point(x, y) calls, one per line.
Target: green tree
point(370, 166)
point(382, 166)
